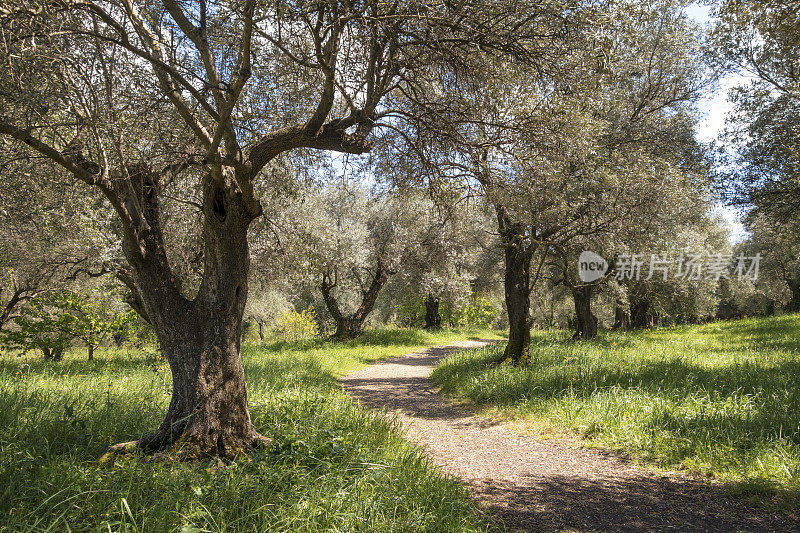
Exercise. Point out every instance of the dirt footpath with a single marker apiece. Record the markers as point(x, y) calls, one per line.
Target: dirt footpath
point(532, 484)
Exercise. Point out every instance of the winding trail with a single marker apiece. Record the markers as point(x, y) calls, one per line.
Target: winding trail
point(545, 485)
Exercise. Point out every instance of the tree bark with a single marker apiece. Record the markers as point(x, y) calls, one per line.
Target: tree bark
point(208, 413)
point(348, 328)
point(640, 314)
point(351, 326)
point(794, 303)
point(622, 316)
point(518, 254)
point(91, 353)
point(54, 354)
point(433, 320)
point(585, 321)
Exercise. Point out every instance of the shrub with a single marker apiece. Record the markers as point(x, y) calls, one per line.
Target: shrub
point(411, 313)
point(294, 326)
point(52, 320)
point(477, 312)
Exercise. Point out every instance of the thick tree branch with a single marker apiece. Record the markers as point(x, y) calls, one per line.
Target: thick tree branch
point(166, 82)
point(70, 159)
point(241, 74)
point(133, 299)
point(326, 287)
point(199, 38)
point(332, 137)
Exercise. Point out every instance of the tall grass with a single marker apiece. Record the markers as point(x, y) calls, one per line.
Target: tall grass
point(332, 466)
point(721, 399)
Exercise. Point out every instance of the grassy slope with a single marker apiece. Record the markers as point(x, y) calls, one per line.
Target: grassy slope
point(332, 467)
point(722, 399)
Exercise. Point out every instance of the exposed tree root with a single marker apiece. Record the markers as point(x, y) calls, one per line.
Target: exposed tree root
point(185, 449)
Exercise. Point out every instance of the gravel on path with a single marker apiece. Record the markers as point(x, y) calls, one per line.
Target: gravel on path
point(552, 484)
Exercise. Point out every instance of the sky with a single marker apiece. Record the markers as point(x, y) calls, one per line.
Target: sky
point(714, 107)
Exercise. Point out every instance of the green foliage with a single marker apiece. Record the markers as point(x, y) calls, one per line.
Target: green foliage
point(52, 320)
point(720, 399)
point(410, 313)
point(477, 312)
point(760, 38)
point(137, 333)
point(41, 326)
point(473, 313)
point(294, 326)
point(332, 467)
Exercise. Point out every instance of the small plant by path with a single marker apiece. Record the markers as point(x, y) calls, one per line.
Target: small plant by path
point(546, 485)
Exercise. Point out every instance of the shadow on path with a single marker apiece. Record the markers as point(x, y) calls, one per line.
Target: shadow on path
point(545, 485)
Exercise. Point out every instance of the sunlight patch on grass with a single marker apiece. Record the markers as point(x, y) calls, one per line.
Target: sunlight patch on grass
point(339, 358)
point(720, 399)
point(332, 467)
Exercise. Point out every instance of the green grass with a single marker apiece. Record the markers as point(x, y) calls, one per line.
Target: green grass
point(332, 466)
point(339, 358)
point(721, 399)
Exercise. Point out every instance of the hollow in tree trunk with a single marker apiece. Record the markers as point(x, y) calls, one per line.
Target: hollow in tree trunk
point(585, 321)
point(433, 320)
point(518, 252)
point(351, 326)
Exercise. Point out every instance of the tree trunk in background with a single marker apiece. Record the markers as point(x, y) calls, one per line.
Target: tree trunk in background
point(55, 354)
point(518, 254)
point(91, 353)
point(433, 320)
point(640, 314)
point(261, 330)
point(585, 321)
point(622, 316)
point(794, 304)
point(350, 327)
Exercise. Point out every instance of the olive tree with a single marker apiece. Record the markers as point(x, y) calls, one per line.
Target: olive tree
point(444, 267)
point(760, 41)
point(779, 268)
point(597, 140)
point(156, 102)
point(357, 239)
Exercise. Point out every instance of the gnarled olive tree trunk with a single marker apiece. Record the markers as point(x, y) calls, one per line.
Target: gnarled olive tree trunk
point(518, 252)
point(641, 317)
point(208, 413)
point(622, 316)
point(585, 321)
point(54, 354)
point(351, 326)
